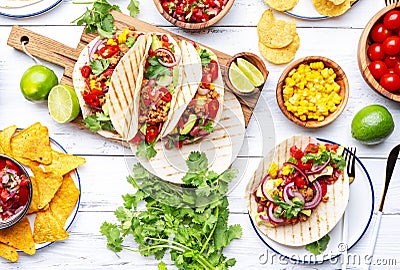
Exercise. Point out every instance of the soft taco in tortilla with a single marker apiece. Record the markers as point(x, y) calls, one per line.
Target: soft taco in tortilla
point(157, 88)
point(299, 192)
point(92, 77)
point(204, 110)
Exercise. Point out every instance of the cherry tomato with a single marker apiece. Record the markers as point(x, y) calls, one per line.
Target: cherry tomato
point(379, 33)
point(212, 108)
point(392, 19)
point(85, 71)
point(213, 66)
point(397, 69)
point(331, 147)
point(391, 60)
point(391, 71)
point(390, 82)
point(91, 100)
point(206, 80)
point(375, 52)
point(311, 148)
point(391, 45)
point(296, 152)
point(377, 69)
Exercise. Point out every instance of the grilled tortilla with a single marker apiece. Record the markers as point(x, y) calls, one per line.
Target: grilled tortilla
point(323, 218)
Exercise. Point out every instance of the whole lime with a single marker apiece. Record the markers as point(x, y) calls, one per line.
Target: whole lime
point(372, 124)
point(36, 83)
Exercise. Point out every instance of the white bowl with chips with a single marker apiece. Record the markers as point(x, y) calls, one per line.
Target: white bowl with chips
point(341, 80)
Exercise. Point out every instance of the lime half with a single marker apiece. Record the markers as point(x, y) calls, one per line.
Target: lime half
point(239, 80)
point(252, 72)
point(63, 103)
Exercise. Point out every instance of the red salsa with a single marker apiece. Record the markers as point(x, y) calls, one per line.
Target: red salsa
point(193, 11)
point(14, 192)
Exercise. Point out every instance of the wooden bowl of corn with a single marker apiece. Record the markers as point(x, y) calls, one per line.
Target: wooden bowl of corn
point(312, 91)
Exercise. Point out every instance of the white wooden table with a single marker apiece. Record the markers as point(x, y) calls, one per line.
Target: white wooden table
point(103, 176)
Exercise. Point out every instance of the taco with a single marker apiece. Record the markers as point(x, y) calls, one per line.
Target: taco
point(203, 112)
point(92, 76)
point(156, 92)
point(298, 196)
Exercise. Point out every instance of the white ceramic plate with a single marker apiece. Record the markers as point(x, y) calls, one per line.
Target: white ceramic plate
point(360, 209)
point(306, 10)
point(34, 9)
point(75, 176)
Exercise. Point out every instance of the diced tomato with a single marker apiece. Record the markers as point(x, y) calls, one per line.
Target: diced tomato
point(296, 152)
point(24, 180)
point(181, 124)
point(212, 108)
point(303, 166)
point(299, 182)
point(206, 80)
point(213, 66)
point(324, 187)
point(311, 148)
point(91, 99)
point(11, 165)
point(23, 195)
point(331, 147)
point(108, 72)
point(4, 195)
point(178, 144)
point(136, 140)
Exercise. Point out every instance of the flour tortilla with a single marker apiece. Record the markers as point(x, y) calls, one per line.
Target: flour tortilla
point(323, 218)
point(192, 69)
point(17, 3)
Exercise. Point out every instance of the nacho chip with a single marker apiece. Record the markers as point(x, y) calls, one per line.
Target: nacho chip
point(282, 5)
point(65, 200)
point(47, 228)
point(47, 183)
point(5, 139)
point(275, 33)
point(327, 8)
point(34, 207)
point(8, 253)
point(32, 143)
point(281, 55)
point(19, 236)
point(63, 163)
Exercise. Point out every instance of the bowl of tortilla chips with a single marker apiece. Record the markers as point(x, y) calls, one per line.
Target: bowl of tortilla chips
point(193, 14)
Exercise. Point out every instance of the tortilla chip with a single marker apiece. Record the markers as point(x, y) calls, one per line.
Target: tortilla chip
point(275, 33)
point(34, 207)
point(327, 8)
point(281, 55)
point(282, 5)
point(47, 183)
point(338, 2)
point(32, 143)
point(65, 200)
point(47, 228)
point(5, 139)
point(8, 253)
point(19, 236)
point(63, 163)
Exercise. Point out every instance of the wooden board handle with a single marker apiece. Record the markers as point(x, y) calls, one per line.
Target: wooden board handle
point(44, 48)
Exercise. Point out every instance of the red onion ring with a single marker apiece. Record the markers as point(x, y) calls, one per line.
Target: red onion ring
point(317, 197)
point(203, 91)
point(287, 192)
point(264, 217)
point(299, 195)
point(270, 214)
point(94, 49)
point(318, 169)
point(170, 54)
point(267, 196)
point(299, 170)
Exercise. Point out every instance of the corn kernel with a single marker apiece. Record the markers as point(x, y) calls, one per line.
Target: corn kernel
point(273, 169)
point(286, 170)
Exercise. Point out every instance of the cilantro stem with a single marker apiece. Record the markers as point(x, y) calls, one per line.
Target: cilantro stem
point(153, 247)
point(212, 231)
point(169, 241)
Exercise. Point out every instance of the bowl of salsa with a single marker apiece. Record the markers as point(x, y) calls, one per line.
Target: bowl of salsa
point(15, 191)
point(193, 14)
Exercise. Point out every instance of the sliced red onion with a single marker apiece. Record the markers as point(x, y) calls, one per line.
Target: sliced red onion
point(203, 133)
point(266, 195)
point(318, 169)
point(170, 54)
point(317, 196)
point(203, 91)
point(298, 169)
point(264, 217)
point(287, 192)
point(270, 214)
point(299, 195)
point(94, 48)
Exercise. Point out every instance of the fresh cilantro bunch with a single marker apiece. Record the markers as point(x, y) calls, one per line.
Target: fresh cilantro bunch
point(99, 19)
point(176, 219)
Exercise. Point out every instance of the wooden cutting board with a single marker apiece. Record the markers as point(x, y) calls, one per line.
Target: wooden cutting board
point(65, 56)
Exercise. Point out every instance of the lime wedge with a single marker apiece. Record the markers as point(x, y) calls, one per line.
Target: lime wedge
point(63, 103)
point(252, 72)
point(239, 80)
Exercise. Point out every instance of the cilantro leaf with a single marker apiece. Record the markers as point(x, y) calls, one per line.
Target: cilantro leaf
point(99, 121)
point(133, 8)
point(205, 57)
point(114, 239)
point(339, 161)
point(130, 42)
point(146, 150)
point(155, 69)
point(98, 66)
point(162, 266)
point(208, 127)
point(319, 246)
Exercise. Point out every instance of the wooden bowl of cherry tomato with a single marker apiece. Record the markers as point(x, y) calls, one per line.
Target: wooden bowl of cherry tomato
point(379, 52)
point(15, 191)
point(193, 14)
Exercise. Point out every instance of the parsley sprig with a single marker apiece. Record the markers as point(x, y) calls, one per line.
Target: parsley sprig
point(319, 246)
point(191, 224)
